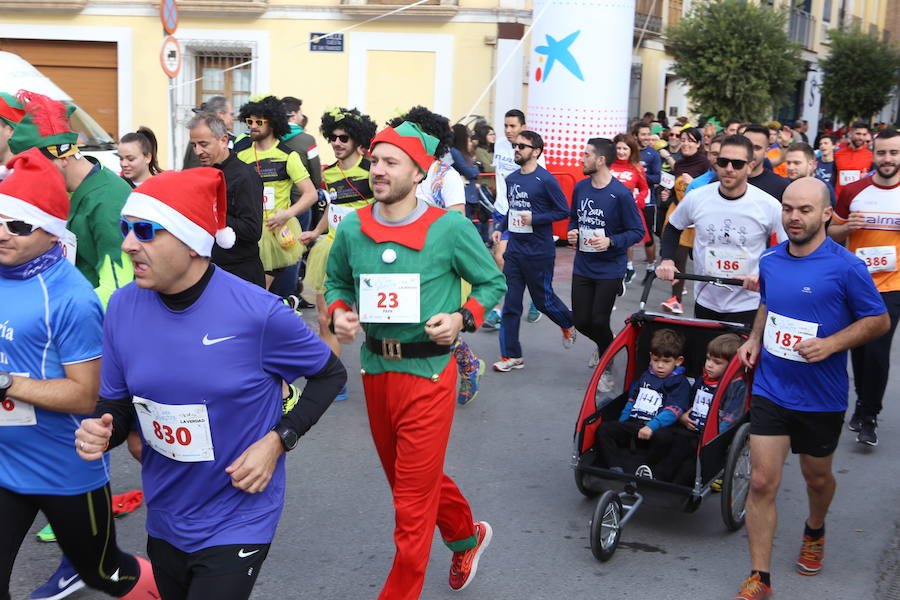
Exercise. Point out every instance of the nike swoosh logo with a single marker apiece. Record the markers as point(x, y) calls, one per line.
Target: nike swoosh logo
point(210, 342)
point(63, 582)
point(242, 554)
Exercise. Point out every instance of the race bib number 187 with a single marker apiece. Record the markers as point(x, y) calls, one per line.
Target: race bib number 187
point(782, 334)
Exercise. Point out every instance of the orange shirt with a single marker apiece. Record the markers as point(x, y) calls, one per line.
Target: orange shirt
point(878, 241)
point(850, 165)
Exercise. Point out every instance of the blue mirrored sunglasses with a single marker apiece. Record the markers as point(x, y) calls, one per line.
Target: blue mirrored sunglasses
point(144, 231)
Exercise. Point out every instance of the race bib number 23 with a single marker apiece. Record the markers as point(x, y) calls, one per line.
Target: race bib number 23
point(389, 298)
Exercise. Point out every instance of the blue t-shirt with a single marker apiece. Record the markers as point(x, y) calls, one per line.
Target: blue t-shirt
point(825, 172)
point(830, 287)
point(652, 164)
point(612, 209)
point(229, 352)
point(701, 180)
point(47, 321)
point(539, 193)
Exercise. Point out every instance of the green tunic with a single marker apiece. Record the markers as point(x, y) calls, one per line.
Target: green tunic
point(94, 212)
point(442, 247)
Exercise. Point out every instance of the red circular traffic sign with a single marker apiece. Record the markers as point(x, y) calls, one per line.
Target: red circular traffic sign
point(170, 57)
point(168, 14)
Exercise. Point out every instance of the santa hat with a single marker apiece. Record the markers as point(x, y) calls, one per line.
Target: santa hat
point(10, 109)
point(34, 191)
point(190, 204)
point(410, 138)
point(44, 125)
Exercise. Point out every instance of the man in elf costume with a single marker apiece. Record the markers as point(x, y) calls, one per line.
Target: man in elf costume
point(11, 113)
point(400, 262)
point(97, 194)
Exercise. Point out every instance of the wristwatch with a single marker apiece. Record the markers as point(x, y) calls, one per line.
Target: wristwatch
point(289, 437)
point(5, 383)
point(468, 320)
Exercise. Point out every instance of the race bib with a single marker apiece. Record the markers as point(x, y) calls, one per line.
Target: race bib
point(647, 404)
point(726, 262)
point(268, 198)
point(389, 298)
point(516, 223)
point(177, 431)
point(783, 333)
point(700, 409)
point(846, 177)
point(69, 245)
point(585, 234)
point(667, 180)
point(15, 412)
point(879, 258)
point(336, 214)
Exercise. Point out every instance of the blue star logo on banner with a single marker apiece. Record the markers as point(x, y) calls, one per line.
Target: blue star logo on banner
point(558, 51)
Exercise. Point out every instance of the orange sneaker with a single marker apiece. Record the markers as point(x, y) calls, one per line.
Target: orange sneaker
point(465, 563)
point(145, 588)
point(754, 589)
point(811, 555)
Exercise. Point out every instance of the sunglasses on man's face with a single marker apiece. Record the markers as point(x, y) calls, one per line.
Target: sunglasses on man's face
point(257, 122)
point(737, 163)
point(17, 227)
point(343, 137)
point(144, 231)
point(522, 146)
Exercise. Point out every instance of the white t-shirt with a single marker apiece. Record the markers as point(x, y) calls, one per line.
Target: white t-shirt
point(504, 164)
point(443, 186)
point(731, 236)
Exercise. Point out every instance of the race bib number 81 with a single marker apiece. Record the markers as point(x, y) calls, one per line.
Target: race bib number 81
point(177, 431)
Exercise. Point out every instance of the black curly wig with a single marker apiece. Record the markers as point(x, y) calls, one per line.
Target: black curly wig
point(432, 124)
point(269, 108)
point(361, 128)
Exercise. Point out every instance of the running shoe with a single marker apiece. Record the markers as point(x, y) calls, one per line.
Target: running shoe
point(293, 303)
point(644, 471)
point(464, 564)
point(754, 589)
point(492, 322)
point(629, 275)
point(468, 386)
point(811, 555)
point(290, 401)
point(855, 422)
point(64, 582)
point(569, 336)
point(595, 359)
point(145, 588)
point(534, 315)
point(505, 365)
point(867, 432)
point(46, 534)
point(342, 395)
point(673, 306)
point(607, 383)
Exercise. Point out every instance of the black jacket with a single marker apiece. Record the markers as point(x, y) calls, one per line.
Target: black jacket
point(244, 190)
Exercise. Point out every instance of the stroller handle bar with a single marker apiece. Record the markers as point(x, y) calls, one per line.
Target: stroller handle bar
point(688, 277)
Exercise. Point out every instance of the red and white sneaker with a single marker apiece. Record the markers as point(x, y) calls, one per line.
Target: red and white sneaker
point(465, 563)
point(812, 553)
point(673, 306)
point(145, 588)
point(505, 365)
point(754, 589)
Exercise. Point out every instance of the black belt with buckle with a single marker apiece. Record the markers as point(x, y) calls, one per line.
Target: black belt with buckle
point(395, 350)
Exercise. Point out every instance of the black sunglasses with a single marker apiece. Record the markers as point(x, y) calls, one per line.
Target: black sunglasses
point(343, 137)
point(16, 227)
point(737, 163)
point(522, 146)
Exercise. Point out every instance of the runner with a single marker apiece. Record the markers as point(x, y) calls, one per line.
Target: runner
point(800, 161)
point(137, 156)
point(817, 301)
point(416, 255)
point(50, 360)
point(11, 112)
point(734, 223)
point(603, 222)
point(853, 161)
point(244, 191)
point(213, 458)
point(865, 218)
point(535, 202)
point(221, 107)
point(280, 169)
point(761, 176)
point(652, 164)
point(628, 170)
point(347, 188)
point(825, 165)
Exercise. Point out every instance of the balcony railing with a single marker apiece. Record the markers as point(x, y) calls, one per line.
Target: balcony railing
point(801, 28)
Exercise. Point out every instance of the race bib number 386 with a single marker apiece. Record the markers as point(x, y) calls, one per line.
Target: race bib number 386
point(782, 335)
point(177, 431)
point(389, 298)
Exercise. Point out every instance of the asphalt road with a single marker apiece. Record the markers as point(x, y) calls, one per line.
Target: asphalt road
point(510, 452)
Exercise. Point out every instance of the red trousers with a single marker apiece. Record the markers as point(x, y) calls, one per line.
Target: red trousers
point(410, 418)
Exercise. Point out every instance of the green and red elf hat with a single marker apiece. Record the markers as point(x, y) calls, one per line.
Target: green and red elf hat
point(10, 110)
point(45, 125)
point(410, 138)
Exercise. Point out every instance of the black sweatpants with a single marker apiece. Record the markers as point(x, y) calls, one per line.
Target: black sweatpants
point(220, 572)
point(592, 304)
point(84, 528)
point(745, 317)
point(872, 362)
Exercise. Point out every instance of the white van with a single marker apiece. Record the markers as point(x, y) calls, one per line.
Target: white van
point(18, 74)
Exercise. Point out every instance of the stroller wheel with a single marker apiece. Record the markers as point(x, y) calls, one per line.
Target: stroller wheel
point(606, 526)
point(736, 482)
point(579, 483)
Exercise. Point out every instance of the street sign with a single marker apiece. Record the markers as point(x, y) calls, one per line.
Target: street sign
point(168, 14)
point(332, 43)
point(170, 57)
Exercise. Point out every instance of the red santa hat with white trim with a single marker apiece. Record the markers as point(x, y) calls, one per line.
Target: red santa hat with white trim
point(190, 204)
point(34, 191)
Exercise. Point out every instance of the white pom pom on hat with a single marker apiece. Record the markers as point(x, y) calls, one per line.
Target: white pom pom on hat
point(190, 204)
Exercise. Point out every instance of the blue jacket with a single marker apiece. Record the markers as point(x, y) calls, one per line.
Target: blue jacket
point(469, 172)
point(676, 395)
point(652, 164)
